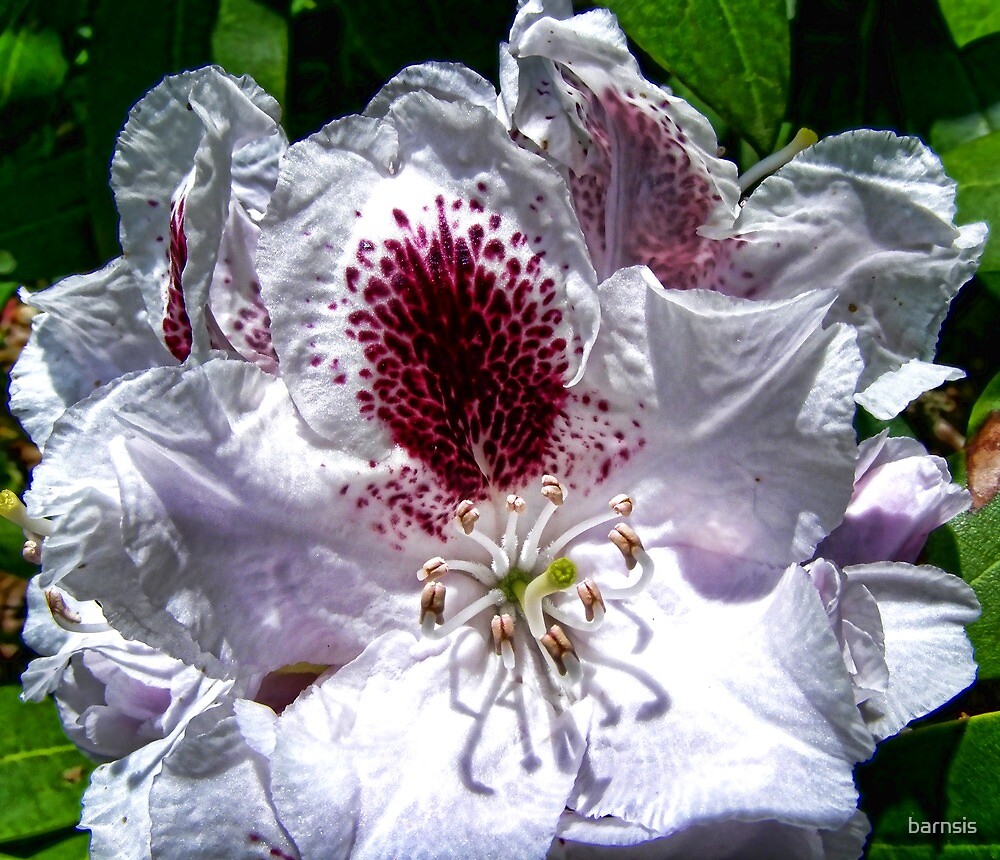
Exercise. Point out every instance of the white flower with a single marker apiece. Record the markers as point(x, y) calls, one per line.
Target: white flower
point(867, 214)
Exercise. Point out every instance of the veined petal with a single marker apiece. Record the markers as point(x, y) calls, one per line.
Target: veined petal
point(869, 215)
point(194, 145)
point(238, 521)
point(761, 693)
point(449, 82)
point(713, 387)
point(924, 614)
point(480, 766)
point(430, 291)
point(94, 328)
point(193, 799)
point(643, 166)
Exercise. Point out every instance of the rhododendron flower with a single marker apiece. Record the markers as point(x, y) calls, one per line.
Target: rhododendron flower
point(192, 173)
point(529, 532)
point(867, 214)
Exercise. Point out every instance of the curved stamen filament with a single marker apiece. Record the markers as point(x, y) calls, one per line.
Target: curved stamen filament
point(529, 553)
point(429, 623)
point(621, 506)
point(68, 618)
point(567, 620)
point(515, 507)
point(638, 584)
point(13, 509)
point(593, 607)
point(467, 515)
point(766, 166)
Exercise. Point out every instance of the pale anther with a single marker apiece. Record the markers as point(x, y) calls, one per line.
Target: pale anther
point(627, 541)
point(503, 638)
point(432, 602)
point(32, 551)
point(433, 568)
point(590, 596)
point(621, 505)
point(59, 608)
point(515, 504)
point(553, 490)
point(557, 643)
point(467, 515)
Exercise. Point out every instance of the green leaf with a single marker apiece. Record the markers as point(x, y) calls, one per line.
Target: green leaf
point(971, 19)
point(43, 774)
point(11, 542)
point(934, 774)
point(32, 65)
point(974, 166)
point(44, 222)
point(251, 39)
point(969, 546)
point(733, 53)
point(988, 402)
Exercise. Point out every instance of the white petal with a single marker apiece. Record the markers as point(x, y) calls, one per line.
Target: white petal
point(889, 394)
point(924, 613)
point(727, 711)
point(715, 388)
point(647, 182)
point(870, 215)
point(263, 540)
point(453, 755)
point(450, 82)
point(212, 798)
point(901, 494)
point(93, 330)
point(430, 290)
point(202, 136)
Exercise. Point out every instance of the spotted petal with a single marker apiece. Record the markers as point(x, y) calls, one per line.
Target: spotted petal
point(430, 291)
point(482, 767)
point(643, 166)
point(197, 144)
point(709, 389)
point(235, 519)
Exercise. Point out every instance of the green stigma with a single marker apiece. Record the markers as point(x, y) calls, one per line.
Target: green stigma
point(514, 584)
point(561, 573)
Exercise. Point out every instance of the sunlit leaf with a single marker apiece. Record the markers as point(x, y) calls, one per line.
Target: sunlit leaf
point(250, 38)
point(974, 166)
point(42, 773)
point(733, 53)
point(946, 775)
point(32, 65)
point(971, 19)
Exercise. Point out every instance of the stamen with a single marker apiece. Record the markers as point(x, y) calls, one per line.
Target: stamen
point(515, 507)
point(558, 576)
point(12, 509)
point(621, 506)
point(434, 612)
point(631, 547)
point(555, 495)
point(433, 568)
point(766, 166)
point(503, 638)
point(560, 649)
point(593, 607)
point(68, 618)
point(467, 515)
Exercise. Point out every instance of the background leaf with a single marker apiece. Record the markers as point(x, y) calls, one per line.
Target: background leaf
point(943, 773)
point(252, 39)
point(42, 773)
point(971, 19)
point(975, 166)
point(733, 53)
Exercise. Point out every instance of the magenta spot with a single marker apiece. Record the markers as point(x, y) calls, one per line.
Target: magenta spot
point(315, 361)
point(153, 203)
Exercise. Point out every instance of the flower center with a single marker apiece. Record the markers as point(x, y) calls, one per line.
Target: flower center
point(524, 575)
